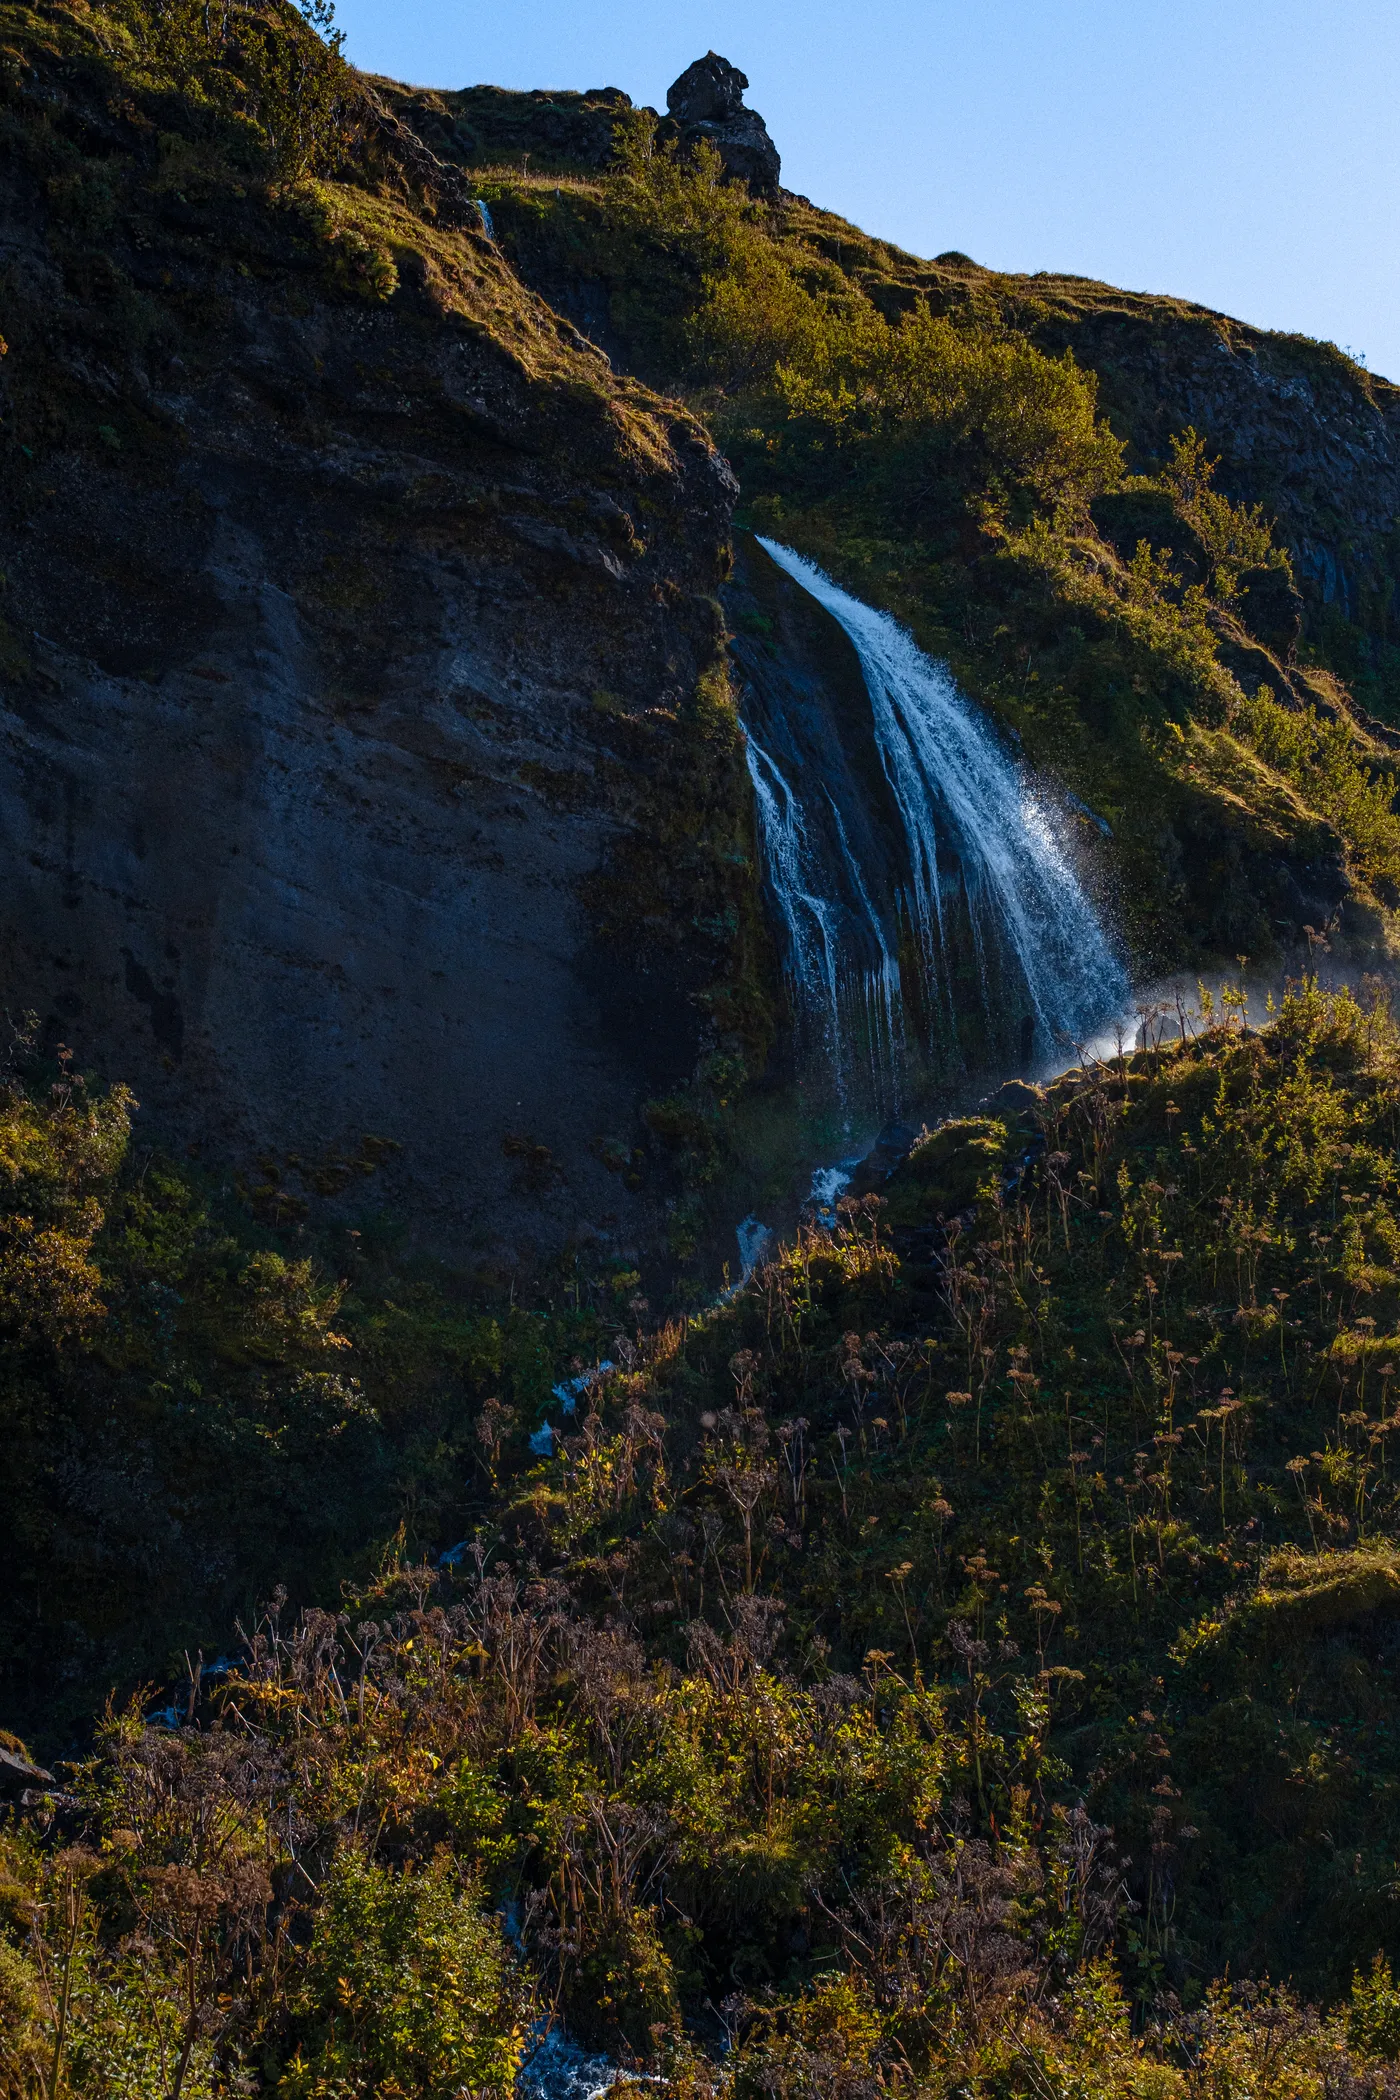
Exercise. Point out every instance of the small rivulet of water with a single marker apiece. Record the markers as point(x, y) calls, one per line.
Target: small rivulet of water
point(975, 899)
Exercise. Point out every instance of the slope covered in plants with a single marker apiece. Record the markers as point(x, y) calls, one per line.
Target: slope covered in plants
point(944, 1662)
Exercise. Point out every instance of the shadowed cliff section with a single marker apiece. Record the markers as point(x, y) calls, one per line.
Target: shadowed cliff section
point(355, 619)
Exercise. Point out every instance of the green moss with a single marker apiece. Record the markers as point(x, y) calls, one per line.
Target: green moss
point(950, 1169)
point(1299, 1597)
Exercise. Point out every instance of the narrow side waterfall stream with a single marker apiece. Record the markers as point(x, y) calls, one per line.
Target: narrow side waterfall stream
point(931, 917)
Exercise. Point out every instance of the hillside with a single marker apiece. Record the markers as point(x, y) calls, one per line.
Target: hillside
point(958, 1656)
point(946, 1662)
point(957, 478)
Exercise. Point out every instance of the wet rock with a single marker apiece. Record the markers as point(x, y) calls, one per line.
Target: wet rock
point(707, 102)
point(890, 1149)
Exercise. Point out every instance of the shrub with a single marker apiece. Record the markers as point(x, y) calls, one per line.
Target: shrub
point(274, 71)
point(408, 1988)
point(995, 404)
point(1322, 759)
point(1373, 2018)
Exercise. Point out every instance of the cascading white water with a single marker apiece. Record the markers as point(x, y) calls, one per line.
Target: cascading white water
point(851, 1004)
point(955, 788)
point(810, 918)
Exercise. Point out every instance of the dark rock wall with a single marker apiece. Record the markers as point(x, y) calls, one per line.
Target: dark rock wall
point(1297, 426)
point(333, 631)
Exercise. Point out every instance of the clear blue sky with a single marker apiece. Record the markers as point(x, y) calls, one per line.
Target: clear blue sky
point(1245, 153)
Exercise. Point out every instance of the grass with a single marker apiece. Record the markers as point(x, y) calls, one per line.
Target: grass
point(951, 1656)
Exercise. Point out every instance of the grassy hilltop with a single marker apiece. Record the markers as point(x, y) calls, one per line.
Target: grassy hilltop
point(963, 1660)
point(996, 460)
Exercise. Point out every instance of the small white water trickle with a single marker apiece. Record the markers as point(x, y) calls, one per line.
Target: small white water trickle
point(829, 1184)
point(811, 919)
point(569, 1392)
point(486, 226)
point(756, 1243)
point(556, 2068)
point(947, 772)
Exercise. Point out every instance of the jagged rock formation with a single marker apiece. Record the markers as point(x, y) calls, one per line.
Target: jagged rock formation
point(708, 103)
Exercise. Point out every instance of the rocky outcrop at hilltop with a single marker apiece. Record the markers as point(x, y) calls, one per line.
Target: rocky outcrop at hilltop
point(707, 102)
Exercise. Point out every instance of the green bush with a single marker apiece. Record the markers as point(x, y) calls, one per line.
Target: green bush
point(408, 1988)
point(263, 66)
point(1373, 2017)
point(1323, 761)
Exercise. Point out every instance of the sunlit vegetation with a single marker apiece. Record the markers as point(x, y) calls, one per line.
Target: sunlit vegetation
point(902, 426)
point(1340, 778)
point(943, 1663)
point(194, 1406)
point(963, 1660)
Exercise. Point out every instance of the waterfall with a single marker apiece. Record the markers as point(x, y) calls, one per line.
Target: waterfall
point(977, 894)
point(809, 918)
point(857, 1007)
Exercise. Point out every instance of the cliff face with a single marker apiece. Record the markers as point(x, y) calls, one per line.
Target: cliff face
point(1298, 426)
point(356, 613)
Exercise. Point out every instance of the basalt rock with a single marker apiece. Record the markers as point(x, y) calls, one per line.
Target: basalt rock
point(707, 102)
point(352, 630)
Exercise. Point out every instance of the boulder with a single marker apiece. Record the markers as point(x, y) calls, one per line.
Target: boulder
point(1271, 606)
point(947, 1170)
point(707, 102)
point(20, 1777)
